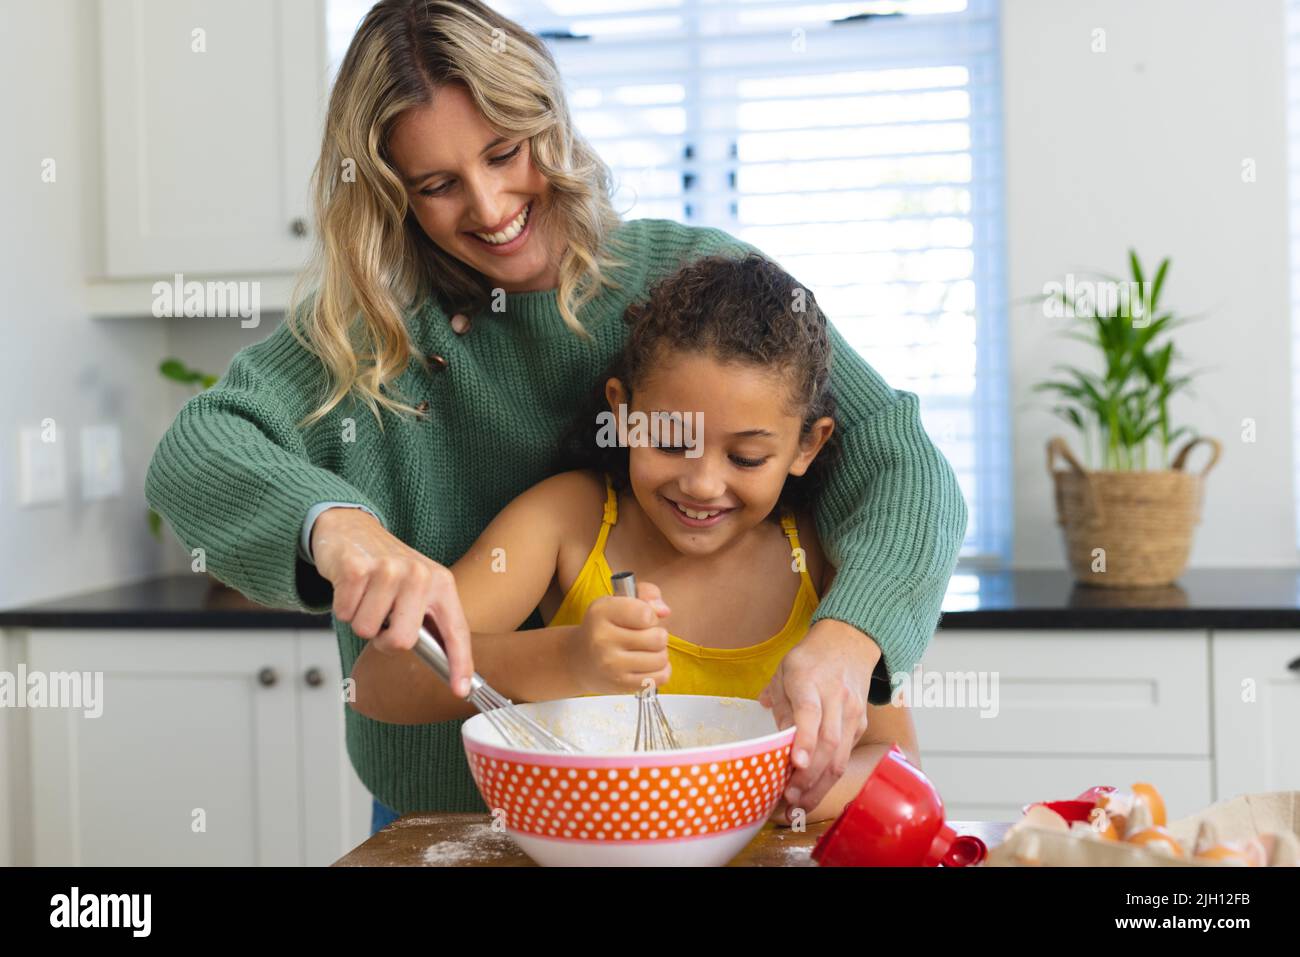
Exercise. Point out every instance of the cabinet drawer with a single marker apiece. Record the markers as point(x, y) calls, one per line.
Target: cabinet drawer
point(1086, 692)
point(995, 788)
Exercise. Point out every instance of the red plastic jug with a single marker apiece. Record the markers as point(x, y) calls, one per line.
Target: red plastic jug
point(896, 820)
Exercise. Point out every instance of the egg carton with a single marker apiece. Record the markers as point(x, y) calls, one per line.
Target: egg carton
point(1273, 819)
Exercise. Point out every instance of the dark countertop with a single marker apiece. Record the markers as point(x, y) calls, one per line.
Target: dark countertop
point(1047, 599)
point(176, 601)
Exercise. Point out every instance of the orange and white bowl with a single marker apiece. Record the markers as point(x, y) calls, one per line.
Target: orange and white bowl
point(611, 806)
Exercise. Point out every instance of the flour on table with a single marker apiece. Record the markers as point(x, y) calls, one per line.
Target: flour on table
point(478, 843)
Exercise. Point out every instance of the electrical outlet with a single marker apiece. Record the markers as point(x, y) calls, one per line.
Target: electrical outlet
point(101, 462)
point(42, 476)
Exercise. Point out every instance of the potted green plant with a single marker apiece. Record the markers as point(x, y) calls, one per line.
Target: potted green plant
point(1127, 523)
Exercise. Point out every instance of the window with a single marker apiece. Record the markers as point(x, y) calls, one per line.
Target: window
point(857, 144)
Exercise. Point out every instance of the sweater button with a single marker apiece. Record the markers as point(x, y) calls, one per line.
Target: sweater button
point(460, 324)
point(422, 407)
point(437, 362)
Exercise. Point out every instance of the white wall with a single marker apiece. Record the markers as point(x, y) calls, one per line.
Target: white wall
point(1143, 145)
point(57, 362)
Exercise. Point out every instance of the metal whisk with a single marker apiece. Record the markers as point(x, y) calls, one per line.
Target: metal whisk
point(516, 728)
point(653, 732)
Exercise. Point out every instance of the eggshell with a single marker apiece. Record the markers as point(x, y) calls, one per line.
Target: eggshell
point(1100, 822)
point(1157, 839)
point(1044, 817)
point(1147, 794)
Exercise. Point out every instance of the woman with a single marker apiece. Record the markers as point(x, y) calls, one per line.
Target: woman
point(466, 294)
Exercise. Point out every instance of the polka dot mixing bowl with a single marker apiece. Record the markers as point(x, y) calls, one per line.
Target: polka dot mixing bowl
point(612, 806)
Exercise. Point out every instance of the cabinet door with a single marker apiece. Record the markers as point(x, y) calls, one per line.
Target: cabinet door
point(212, 117)
point(1065, 692)
point(336, 806)
point(190, 720)
point(1256, 711)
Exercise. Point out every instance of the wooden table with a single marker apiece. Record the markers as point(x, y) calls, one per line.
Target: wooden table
point(467, 840)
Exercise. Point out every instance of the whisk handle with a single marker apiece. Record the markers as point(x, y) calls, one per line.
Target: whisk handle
point(624, 583)
point(432, 653)
point(428, 646)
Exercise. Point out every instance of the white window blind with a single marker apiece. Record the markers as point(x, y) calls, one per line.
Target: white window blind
point(857, 144)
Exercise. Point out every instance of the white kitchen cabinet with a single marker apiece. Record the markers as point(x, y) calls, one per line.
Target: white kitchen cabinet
point(245, 726)
point(212, 114)
point(1073, 709)
point(336, 807)
point(1073, 692)
point(1256, 711)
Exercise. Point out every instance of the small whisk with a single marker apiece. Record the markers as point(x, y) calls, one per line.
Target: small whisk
point(516, 728)
point(653, 732)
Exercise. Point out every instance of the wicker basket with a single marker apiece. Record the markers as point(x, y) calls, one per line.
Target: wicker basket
point(1142, 519)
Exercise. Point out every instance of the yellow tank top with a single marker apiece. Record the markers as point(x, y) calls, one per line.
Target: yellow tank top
point(732, 672)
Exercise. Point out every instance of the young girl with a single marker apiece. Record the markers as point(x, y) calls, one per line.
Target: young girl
point(729, 358)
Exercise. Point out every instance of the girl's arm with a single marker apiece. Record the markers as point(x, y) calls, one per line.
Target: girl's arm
point(500, 580)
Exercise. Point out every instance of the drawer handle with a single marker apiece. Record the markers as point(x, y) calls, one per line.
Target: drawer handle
point(267, 677)
point(1294, 665)
point(314, 678)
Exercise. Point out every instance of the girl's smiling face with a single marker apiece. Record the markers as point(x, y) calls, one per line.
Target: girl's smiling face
point(462, 178)
point(748, 443)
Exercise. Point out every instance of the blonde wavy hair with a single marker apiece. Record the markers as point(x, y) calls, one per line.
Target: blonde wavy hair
point(371, 262)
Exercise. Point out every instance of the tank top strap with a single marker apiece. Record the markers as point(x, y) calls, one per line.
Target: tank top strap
point(790, 528)
point(611, 503)
point(792, 533)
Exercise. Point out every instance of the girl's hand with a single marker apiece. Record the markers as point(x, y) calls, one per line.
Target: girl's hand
point(384, 588)
point(620, 643)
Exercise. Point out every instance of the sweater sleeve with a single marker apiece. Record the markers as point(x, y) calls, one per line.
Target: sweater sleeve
point(891, 514)
point(232, 477)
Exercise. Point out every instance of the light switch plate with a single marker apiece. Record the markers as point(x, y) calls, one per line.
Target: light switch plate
point(42, 474)
point(101, 462)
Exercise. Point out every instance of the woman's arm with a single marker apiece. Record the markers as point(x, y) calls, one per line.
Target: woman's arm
point(891, 516)
point(500, 580)
point(233, 478)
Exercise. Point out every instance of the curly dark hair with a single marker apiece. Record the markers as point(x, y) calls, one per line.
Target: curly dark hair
point(734, 310)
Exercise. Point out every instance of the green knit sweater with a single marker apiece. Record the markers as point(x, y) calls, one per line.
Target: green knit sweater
point(235, 476)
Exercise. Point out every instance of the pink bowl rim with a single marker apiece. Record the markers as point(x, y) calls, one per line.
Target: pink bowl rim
point(635, 759)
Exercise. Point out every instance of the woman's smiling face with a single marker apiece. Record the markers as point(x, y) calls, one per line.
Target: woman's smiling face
point(748, 443)
point(463, 178)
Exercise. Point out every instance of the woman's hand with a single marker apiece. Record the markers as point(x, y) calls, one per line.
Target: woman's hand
point(383, 588)
point(821, 687)
point(620, 643)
